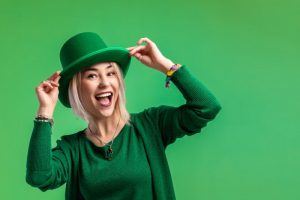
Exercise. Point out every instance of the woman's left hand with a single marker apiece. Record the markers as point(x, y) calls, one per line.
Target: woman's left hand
point(150, 55)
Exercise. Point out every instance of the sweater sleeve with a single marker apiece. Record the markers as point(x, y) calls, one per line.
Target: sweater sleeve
point(201, 107)
point(46, 168)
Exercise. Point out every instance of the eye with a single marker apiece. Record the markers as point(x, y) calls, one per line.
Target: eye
point(111, 73)
point(91, 76)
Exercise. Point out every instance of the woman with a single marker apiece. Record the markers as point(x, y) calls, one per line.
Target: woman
point(118, 155)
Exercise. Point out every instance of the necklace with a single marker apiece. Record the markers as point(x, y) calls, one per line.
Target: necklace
point(109, 152)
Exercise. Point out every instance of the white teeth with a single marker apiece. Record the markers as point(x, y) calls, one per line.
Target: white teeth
point(104, 95)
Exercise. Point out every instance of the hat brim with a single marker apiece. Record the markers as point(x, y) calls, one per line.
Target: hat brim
point(111, 54)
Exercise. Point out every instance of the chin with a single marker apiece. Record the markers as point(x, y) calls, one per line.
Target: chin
point(106, 112)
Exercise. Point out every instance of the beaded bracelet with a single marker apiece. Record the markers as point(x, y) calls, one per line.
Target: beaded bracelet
point(41, 118)
point(170, 73)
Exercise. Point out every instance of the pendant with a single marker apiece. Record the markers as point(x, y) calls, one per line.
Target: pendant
point(109, 153)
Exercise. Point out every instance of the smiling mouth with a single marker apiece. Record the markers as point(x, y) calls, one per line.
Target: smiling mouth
point(104, 99)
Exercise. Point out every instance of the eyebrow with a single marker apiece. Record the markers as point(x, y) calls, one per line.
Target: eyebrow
point(109, 66)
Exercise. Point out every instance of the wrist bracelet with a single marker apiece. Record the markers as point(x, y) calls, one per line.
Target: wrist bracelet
point(41, 118)
point(170, 73)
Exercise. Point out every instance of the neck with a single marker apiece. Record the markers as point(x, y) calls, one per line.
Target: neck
point(106, 127)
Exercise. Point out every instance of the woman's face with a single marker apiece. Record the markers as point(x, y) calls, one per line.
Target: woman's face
point(99, 89)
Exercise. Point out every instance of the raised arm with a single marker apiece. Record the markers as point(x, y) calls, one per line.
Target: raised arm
point(201, 105)
point(46, 168)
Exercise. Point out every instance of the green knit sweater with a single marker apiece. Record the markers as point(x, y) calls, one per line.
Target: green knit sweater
point(139, 168)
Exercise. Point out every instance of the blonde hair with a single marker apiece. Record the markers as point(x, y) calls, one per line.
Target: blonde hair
point(78, 108)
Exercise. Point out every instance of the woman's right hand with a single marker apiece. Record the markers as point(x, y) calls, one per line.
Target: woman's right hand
point(47, 93)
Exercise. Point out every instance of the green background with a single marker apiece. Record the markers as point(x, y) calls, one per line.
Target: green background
point(246, 52)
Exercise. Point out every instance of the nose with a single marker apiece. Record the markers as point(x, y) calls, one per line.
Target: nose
point(104, 82)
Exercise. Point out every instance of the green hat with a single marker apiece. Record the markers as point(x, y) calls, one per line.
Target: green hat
point(84, 50)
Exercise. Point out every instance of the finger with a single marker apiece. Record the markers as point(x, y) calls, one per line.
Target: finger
point(54, 83)
point(56, 80)
point(145, 39)
point(137, 49)
point(130, 48)
point(44, 86)
point(138, 56)
point(53, 76)
point(47, 84)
